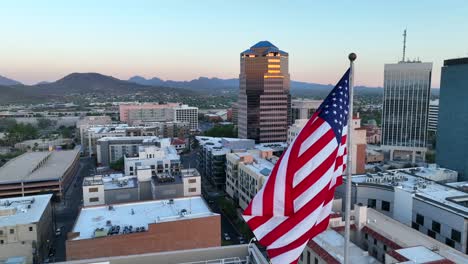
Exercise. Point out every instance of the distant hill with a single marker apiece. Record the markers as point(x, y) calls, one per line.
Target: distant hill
point(216, 85)
point(7, 81)
point(78, 86)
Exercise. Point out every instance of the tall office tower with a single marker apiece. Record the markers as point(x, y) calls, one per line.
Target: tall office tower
point(264, 101)
point(407, 87)
point(452, 129)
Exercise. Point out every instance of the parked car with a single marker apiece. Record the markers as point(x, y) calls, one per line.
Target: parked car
point(58, 232)
point(227, 237)
point(241, 240)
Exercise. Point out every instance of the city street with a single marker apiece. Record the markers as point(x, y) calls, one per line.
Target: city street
point(66, 211)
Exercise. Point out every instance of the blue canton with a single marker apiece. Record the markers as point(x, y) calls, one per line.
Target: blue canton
point(334, 109)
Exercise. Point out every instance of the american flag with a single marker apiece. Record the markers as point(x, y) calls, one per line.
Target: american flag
point(295, 202)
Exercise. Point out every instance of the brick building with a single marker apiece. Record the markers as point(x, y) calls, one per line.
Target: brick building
point(143, 227)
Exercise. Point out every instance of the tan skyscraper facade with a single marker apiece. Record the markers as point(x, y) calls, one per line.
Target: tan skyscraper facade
point(264, 99)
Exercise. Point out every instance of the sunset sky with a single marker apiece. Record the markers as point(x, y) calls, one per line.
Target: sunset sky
point(182, 40)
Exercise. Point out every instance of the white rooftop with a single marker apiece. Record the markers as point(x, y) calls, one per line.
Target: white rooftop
point(419, 254)
point(146, 139)
point(428, 189)
point(333, 242)
point(15, 211)
point(145, 213)
point(119, 181)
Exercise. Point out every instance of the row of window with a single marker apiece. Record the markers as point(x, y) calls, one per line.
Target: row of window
point(372, 203)
point(12, 231)
point(436, 227)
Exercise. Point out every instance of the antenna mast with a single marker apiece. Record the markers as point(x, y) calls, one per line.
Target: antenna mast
point(404, 45)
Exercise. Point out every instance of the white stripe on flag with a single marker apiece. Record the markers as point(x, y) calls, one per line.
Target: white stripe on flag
point(314, 137)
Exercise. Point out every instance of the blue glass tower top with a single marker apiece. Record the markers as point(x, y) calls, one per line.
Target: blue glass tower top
point(263, 44)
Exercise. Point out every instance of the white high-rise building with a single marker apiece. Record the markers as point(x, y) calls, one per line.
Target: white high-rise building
point(185, 113)
point(407, 88)
point(433, 115)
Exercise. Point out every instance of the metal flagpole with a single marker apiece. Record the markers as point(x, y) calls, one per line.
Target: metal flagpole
point(352, 58)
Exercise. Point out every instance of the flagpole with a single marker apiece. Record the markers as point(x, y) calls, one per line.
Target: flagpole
point(352, 58)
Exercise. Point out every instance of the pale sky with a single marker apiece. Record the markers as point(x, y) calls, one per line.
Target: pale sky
point(182, 40)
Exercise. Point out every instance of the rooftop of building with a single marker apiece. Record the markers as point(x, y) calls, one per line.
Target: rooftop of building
point(38, 166)
point(422, 182)
point(405, 236)
point(333, 243)
point(139, 214)
point(419, 254)
point(112, 181)
point(23, 210)
point(166, 152)
point(457, 61)
point(262, 48)
point(146, 139)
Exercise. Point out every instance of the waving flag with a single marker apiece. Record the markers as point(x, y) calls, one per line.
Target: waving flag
point(295, 202)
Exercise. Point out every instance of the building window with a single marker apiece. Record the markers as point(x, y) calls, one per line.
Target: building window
point(450, 242)
point(192, 180)
point(456, 235)
point(308, 257)
point(372, 203)
point(131, 168)
point(385, 206)
point(415, 226)
point(94, 199)
point(419, 219)
point(315, 260)
point(1, 232)
point(435, 226)
point(385, 247)
point(375, 241)
point(12, 231)
point(192, 189)
point(31, 228)
point(366, 235)
point(94, 189)
point(1, 242)
point(302, 257)
point(431, 233)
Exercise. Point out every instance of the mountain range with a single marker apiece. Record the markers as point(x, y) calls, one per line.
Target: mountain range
point(95, 86)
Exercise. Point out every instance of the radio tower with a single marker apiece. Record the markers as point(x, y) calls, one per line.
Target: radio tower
point(404, 45)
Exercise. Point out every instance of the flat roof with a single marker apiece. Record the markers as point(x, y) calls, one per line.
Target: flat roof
point(38, 166)
point(145, 213)
point(419, 254)
point(15, 211)
point(422, 183)
point(333, 242)
point(406, 236)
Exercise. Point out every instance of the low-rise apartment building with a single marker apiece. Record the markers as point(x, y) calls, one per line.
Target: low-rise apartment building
point(26, 227)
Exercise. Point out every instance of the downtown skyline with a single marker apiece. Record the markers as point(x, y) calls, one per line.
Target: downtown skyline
point(151, 39)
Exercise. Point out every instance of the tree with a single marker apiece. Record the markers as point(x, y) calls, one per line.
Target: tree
point(222, 131)
point(118, 165)
point(20, 132)
point(44, 123)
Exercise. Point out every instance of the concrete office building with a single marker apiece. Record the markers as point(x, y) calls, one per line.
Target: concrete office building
point(111, 149)
point(407, 88)
point(39, 172)
point(110, 189)
point(150, 112)
point(415, 198)
point(452, 144)
point(303, 108)
point(433, 116)
point(184, 184)
point(376, 238)
point(246, 172)
point(89, 121)
point(211, 157)
point(26, 227)
point(160, 159)
point(234, 254)
point(143, 227)
point(264, 101)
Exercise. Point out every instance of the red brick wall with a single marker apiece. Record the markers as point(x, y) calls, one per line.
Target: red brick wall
point(166, 236)
point(360, 158)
